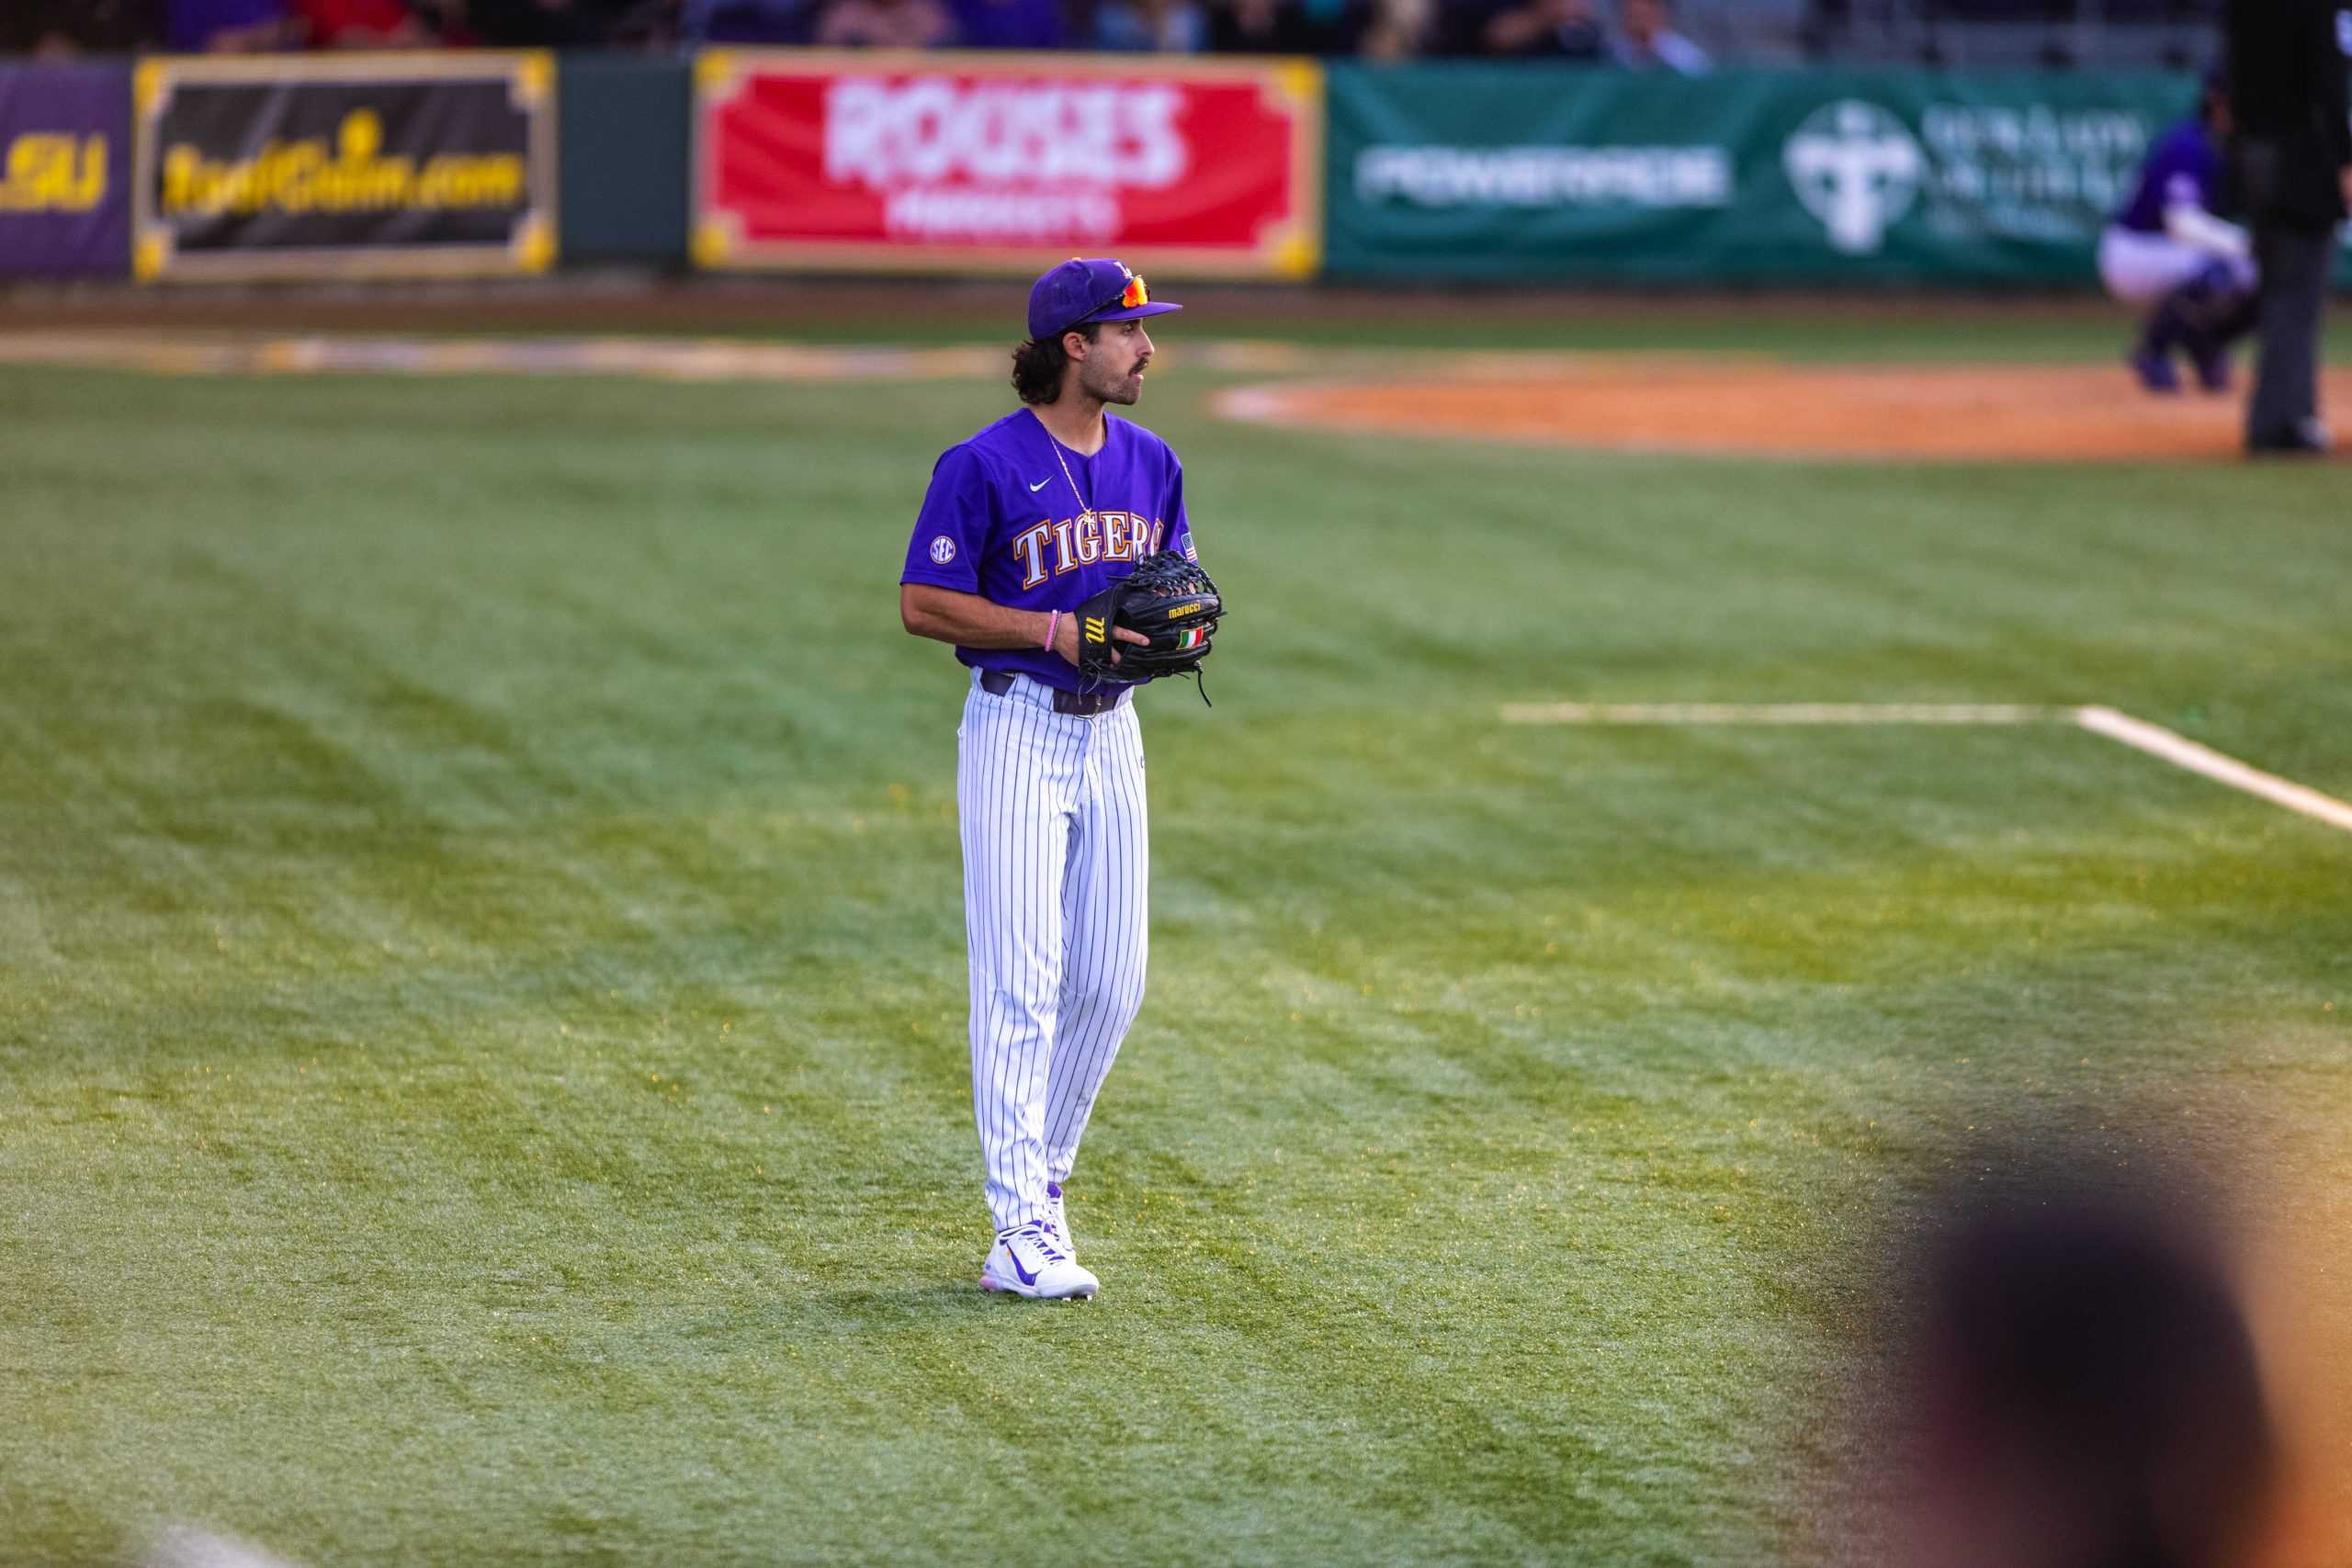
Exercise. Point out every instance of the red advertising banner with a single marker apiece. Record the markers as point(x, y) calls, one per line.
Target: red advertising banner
point(824, 160)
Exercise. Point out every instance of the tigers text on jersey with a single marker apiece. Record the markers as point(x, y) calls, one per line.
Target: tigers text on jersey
point(1022, 521)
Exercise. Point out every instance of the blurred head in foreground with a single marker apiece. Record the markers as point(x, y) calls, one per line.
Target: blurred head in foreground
point(2090, 1394)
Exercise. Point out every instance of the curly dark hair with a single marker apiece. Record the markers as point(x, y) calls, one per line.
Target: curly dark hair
point(1037, 364)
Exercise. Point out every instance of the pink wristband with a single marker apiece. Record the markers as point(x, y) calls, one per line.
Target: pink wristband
point(1053, 624)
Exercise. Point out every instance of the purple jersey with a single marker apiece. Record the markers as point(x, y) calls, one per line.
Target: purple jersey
point(2183, 169)
point(1005, 521)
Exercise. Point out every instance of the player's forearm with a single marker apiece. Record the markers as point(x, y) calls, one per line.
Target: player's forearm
point(966, 620)
point(2199, 230)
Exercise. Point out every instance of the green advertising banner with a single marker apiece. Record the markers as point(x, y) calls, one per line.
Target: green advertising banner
point(1527, 172)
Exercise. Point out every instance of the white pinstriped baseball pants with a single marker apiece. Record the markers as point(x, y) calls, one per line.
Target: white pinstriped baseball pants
point(1057, 862)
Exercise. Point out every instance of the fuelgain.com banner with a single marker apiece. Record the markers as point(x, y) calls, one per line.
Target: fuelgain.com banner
point(379, 165)
point(64, 169)
point(988, 162)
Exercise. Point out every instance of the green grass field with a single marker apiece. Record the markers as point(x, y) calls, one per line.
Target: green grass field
point(481, 975)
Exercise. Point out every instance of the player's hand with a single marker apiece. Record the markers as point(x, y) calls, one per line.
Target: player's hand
point(1066, 639)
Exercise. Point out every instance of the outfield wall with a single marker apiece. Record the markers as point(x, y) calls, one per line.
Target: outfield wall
point(318, 166)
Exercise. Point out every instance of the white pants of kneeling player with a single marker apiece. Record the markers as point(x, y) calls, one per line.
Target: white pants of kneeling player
point(1056, 860)
point(2140, 268)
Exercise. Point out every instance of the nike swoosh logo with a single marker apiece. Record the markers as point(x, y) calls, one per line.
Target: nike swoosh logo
point(1026, 1277)
point(1041, 484)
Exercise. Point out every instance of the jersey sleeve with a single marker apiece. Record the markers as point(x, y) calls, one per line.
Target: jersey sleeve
point(951, 529)
point(2186, 187)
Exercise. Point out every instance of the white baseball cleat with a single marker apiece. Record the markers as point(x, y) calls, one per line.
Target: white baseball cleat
point(1059, 1220)
point(1032, 1262)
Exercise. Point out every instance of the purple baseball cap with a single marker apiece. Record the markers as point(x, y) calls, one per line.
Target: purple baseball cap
point(1079, 291)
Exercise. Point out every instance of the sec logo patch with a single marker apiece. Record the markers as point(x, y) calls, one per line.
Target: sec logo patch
point(942, 549)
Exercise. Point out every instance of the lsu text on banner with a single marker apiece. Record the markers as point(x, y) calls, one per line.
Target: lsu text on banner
point(64, 170)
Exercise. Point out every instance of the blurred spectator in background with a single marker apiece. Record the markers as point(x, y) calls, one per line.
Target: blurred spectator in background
point(1010, 24)
point(1646, 41)
point(58, 30)
point(447, 18)
point(886, 24)
point(1164, 26)
point(746, 21)
point(1399, 30)
point(1285, 27)
point(364, 24)
point(230, 27)
point(1553, 30)
point(544, 24)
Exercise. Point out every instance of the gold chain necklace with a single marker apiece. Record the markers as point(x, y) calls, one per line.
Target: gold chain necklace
point(1086, 507)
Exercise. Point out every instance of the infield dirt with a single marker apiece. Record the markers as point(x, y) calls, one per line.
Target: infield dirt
point(1761, 407)
point(1701, 402)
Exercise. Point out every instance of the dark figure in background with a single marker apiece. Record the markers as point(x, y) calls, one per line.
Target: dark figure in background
point(1287, 26)
point(230, 27)
point(545, 23)
point(1548, 29)
point(60, 29)
point(747, 21)
point(885, 24)
point(1165, 26)
point(1009, 24)
point(364, 24)
point(2088, 1392)
point(2294, 164)
point(1646, 41)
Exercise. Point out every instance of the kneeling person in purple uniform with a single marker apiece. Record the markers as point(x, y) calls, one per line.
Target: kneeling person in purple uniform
point(2170, 252)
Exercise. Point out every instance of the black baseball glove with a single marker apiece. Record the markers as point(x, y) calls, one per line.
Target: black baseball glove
point(1171, 601)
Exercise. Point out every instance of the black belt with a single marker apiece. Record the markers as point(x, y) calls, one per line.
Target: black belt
point(996, 683)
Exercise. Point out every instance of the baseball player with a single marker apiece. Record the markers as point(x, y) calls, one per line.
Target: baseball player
point(1031, 517)
point(2169, 253)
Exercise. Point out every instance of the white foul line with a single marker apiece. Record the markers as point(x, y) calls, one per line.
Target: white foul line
point(2137, 733)
point(1777, 713)
point(2183, 752)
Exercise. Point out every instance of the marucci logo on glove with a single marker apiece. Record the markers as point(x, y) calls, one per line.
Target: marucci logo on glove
point(1171, 601)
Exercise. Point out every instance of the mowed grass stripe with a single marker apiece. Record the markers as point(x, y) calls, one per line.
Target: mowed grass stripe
point(491, 1081)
